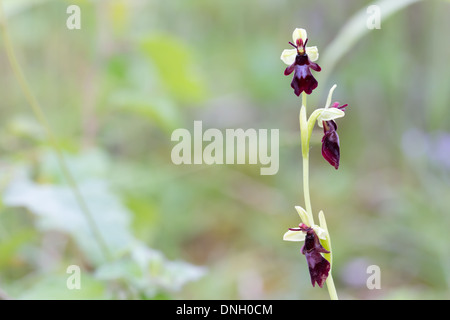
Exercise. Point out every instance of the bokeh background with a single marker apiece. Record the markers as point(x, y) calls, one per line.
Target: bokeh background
point(114, 91)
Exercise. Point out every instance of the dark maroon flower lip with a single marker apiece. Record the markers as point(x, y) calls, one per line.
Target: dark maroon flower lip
point(330, 140)
point(303, 80)
point(319, 267)
point(330, 144)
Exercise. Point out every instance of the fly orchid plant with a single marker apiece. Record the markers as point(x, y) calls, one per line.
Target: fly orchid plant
point(317, 243)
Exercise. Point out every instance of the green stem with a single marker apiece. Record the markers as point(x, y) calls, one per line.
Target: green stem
point(305, 137)
point(331, 288)
point(37, 110)
point(329, 256)
point(304, 99)
point(306, 188)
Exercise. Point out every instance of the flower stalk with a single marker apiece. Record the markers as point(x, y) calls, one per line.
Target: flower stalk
point(317, 243)
point(305, 137)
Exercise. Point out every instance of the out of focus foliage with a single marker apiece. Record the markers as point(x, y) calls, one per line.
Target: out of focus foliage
point(115, 90)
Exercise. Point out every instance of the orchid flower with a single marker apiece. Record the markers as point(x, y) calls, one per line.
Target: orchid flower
point(300, 60)
point(325, 118)
point(318, 266)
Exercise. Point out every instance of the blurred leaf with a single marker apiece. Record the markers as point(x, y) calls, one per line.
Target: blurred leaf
point(92, 164)
point(9, 247)
point(160, 111)
point(175, 66)
point(149, 271)
point(56, 209)
point(26, 127)
point(13, 7)
point(146, 213)
point(134, 90)
point(54, 287)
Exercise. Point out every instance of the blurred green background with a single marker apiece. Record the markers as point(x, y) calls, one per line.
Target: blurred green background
point(114, 91)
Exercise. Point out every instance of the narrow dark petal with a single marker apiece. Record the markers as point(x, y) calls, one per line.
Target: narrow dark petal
point(289, 69)
point(330, 143)
point(304, 227)
point(337, 106)
point(314, 66)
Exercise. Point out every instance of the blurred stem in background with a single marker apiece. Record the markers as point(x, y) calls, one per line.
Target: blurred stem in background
point(39, 114)
point(351, 32)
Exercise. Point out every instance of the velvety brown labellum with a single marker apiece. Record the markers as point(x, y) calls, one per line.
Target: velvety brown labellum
point(330, 143)
point(318, 266)
point(303, 80)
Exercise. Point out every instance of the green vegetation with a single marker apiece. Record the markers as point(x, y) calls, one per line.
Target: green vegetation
point(114, 91)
